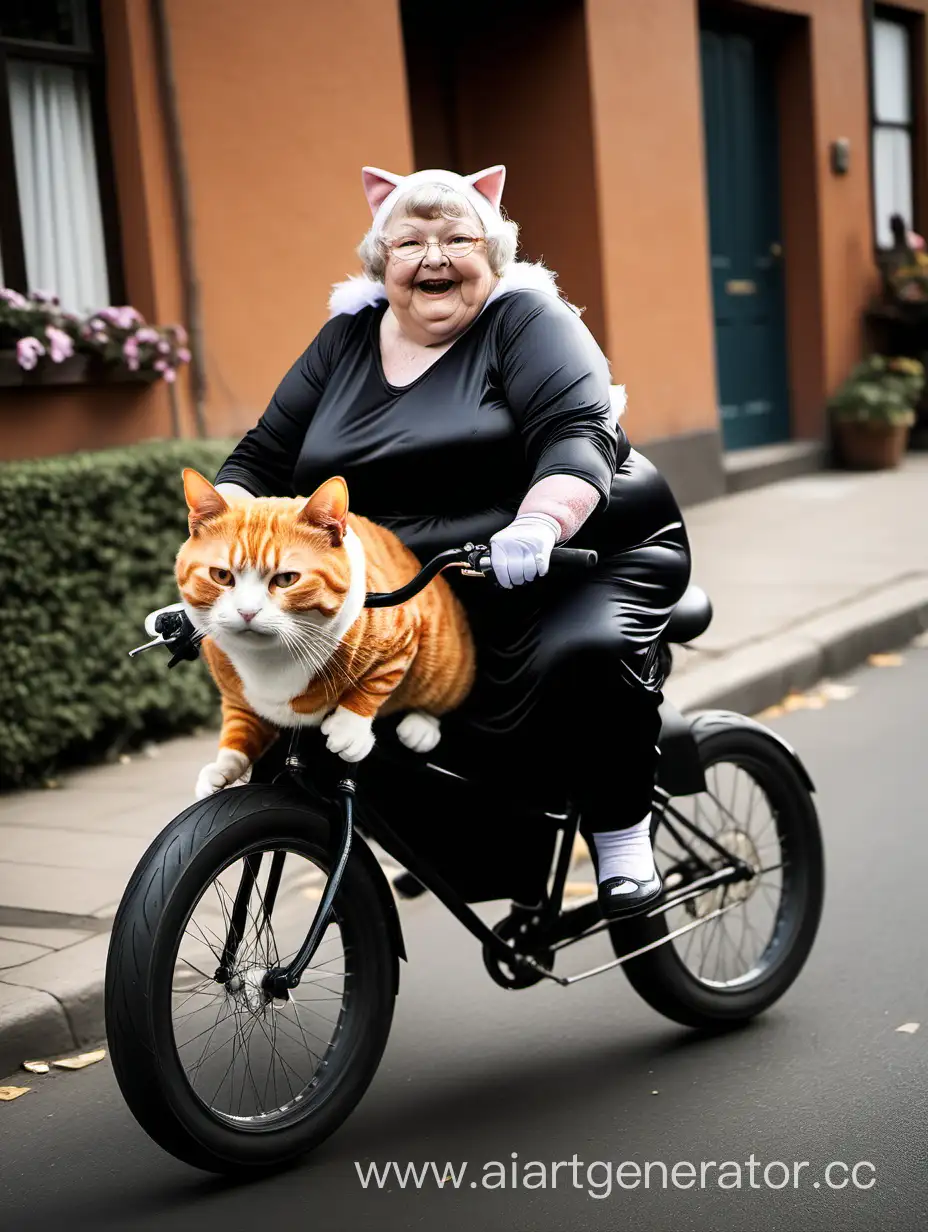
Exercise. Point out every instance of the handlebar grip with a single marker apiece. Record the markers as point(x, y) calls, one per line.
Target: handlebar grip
point(573, 558)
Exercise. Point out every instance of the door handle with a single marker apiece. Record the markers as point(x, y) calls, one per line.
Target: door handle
point(740, 286)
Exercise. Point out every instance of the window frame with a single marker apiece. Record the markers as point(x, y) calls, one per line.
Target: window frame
point(913, 23)
point(93, 61)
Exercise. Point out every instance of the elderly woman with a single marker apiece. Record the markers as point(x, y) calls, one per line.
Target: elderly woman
point(463, 399)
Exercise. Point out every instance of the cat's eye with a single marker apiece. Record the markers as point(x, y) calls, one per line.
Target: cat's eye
point(222, 576)
point(283, 580)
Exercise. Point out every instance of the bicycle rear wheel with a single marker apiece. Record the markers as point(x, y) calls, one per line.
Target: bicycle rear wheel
point(220, 1074)
point(758, 808)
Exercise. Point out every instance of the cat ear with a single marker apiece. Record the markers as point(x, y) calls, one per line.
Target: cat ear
point(203, 501)
point(378, 185)
point(328, 508)
point(489, 183)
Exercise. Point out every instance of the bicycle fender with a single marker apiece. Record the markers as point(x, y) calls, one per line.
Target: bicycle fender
point(361, 851)
point(679, 770)
point(702, 722)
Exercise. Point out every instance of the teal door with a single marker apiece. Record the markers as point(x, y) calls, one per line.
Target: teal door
point(742, 155)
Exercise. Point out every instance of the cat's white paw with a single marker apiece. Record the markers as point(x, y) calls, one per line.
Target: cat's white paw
point(228, 768)
point(348, 734)
point(419, 731)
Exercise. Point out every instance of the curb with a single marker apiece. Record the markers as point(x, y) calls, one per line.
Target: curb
point(761, 674)
point(47, 1008)
point(52, 1005)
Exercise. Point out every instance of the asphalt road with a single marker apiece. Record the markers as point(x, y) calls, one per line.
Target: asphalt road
point(474, 1073)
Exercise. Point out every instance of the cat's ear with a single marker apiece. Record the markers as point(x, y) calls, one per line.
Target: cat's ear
point(203, 501)
point(378, 185)
point(489, 183)
point(327, 508)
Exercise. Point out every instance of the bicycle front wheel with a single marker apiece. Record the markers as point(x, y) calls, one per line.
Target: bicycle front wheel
point(219, 1073)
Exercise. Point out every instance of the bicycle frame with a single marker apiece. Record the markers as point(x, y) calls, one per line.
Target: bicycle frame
point(549, 926)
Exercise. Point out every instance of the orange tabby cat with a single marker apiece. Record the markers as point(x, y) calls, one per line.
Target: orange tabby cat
point(276, 588)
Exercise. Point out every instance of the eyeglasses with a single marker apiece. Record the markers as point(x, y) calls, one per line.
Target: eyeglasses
point(414, 248)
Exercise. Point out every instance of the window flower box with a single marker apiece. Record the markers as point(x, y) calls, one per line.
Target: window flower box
point(41, 345)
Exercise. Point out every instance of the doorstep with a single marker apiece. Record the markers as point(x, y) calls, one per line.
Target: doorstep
point(752, 468)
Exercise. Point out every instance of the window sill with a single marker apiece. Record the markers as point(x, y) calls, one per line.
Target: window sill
point(78, 370)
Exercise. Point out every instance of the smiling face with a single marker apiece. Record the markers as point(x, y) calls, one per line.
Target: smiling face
point(435, 296)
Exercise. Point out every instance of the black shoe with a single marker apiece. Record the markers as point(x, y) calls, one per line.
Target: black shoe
point(628, 902)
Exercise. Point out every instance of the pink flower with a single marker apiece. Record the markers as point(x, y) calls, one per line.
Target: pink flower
point(123, 318)
point(147, 334)
point(60, 345)
point(179, 333)
point(183, 355)
point(44, 297)
point(13, 298)
point(28, 351)
point(161, 365)
point(170, 375)
point(130, 351)
point(164, 347)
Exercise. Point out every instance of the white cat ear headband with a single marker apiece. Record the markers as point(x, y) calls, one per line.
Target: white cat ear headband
point(483, 190)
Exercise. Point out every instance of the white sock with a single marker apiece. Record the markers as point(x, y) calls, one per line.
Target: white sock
point(626, 853)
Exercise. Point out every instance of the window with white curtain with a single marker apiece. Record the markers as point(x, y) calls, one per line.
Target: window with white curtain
point(893, 125)
point(53, 236)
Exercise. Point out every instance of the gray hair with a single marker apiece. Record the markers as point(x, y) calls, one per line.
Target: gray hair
point(432, 201)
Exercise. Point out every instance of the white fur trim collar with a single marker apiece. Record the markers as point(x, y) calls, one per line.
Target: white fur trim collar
point(359, 291)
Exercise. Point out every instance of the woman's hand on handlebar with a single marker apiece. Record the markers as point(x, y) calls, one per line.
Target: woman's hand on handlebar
point(521, 551)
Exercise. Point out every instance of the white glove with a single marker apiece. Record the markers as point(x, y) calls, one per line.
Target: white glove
point(521, 551)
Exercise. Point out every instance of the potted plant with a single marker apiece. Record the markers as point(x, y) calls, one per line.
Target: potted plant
point(41, 344)
point(874, 409)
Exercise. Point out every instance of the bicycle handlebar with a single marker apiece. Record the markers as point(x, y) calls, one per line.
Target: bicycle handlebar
point(176, 632)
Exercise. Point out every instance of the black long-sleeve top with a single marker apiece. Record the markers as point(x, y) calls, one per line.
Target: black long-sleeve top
point(524, 393)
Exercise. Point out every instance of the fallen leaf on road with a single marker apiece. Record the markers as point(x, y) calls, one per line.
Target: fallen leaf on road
point(885, 660)
point(909, 1027)
point(803, 701)
point(579, 889)
point(835, 692)
point(8, 1093)
point(80, 1062)
point(36, 1067)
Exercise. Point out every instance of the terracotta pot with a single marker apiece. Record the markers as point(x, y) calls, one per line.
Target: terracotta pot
point(864, 445)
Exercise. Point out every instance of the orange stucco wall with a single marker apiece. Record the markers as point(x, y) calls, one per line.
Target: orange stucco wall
point(644, 70)
point(279, 110)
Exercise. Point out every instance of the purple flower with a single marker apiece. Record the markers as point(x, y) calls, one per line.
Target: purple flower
point(164, 347)
point(170, 375)
point(180, 334)
point(60, 345)
point(183, 355)
point(13, 298)
point(28, 351)
point(147, 334)
point(161, 365)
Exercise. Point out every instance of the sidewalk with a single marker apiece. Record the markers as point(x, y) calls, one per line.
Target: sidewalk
point(807, 577)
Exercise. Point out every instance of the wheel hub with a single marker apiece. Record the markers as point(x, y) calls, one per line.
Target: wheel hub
point(741, 847)
point(247, 991)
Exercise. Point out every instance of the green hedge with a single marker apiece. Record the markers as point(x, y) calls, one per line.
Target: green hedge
point(87, 547)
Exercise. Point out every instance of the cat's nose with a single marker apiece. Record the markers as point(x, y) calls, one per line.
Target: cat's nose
point(248, 617)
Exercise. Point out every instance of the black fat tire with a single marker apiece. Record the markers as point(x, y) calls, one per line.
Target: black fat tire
point(660, 976)
point(146, 933)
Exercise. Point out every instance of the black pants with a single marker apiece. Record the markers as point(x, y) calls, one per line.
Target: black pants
point(569, 678)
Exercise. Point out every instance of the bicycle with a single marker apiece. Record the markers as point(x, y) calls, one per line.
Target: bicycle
point(210, 953)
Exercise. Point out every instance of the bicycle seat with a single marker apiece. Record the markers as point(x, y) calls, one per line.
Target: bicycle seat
point(691, 617)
